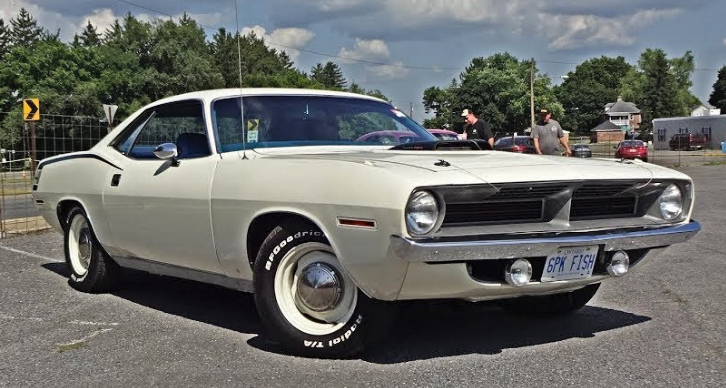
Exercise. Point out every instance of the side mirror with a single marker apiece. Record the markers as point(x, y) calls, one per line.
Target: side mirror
point(167, 151)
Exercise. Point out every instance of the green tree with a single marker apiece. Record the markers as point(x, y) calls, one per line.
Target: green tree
point(89, 37)
point(440, 102)
point(330, 75)
point(718, 95)
point(25, 30)
point(5, 38)
point(660, 92)
point(355, 88)
point(587, 90)
point(497, 89)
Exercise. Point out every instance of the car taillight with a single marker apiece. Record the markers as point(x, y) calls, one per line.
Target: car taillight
point(517, 148)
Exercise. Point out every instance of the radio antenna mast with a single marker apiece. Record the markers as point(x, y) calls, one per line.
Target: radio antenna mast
point(239, 70)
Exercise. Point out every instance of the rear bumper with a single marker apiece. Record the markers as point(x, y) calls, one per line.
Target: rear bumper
point(610, 240)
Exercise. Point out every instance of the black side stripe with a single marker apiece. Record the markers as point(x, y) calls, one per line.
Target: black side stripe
point(81, 156)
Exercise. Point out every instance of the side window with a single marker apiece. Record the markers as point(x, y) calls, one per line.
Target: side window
point(181, 123)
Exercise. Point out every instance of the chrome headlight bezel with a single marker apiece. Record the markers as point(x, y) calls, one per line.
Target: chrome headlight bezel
point(423, 212)
point(679, 194)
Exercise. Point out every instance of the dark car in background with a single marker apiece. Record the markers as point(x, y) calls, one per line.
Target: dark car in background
point(581, 151)
point(520, 144)
point(687, 141)
point(632, 149)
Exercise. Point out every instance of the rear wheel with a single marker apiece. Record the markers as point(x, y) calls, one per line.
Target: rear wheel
point(564, 303)
point(306, 300)
point(92, 270)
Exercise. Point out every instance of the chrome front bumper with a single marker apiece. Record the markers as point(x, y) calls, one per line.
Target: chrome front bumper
point(611, 240)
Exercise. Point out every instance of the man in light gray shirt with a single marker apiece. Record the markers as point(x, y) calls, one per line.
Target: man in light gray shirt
point(547, 133)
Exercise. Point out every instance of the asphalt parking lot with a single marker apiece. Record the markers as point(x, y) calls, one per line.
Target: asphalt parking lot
point(662, 325)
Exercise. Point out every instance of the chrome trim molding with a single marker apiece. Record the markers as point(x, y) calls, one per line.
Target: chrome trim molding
point(156, 268)
point(441, 252)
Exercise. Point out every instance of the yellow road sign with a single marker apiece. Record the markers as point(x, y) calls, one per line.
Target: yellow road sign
point(31, 109)
point(252, 124)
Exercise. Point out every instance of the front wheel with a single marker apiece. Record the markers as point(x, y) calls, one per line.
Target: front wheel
point(306, 300)
point(563, 303)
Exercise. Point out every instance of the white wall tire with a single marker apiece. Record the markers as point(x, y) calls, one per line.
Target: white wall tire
point(91, 269)
point(306, 300)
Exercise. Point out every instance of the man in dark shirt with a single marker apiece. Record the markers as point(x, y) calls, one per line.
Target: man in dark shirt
point(476, 128)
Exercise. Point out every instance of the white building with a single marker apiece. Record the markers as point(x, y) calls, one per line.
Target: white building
point(706, 110)
point(714, 127)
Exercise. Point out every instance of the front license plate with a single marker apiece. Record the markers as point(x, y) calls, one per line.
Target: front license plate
point(570, 263)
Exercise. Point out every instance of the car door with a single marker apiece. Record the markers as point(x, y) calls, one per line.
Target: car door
point(159, 210)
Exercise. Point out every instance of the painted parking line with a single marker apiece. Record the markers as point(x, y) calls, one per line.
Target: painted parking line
point(31, 254)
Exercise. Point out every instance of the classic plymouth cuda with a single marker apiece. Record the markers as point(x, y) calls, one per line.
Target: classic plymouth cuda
point(268, 191)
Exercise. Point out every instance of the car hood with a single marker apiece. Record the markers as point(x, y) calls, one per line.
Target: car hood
point(492, 166)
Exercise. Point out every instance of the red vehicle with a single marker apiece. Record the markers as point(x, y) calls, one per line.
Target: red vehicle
point(632, 149)
point(520, 144)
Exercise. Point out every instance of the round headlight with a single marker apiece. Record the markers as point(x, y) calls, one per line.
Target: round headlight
point(671, 203)
point(422, 212)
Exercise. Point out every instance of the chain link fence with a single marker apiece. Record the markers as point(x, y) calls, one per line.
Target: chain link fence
point(58, 134)
point(20, 152)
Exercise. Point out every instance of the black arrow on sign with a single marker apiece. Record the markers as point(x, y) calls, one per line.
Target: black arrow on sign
point(33, 109)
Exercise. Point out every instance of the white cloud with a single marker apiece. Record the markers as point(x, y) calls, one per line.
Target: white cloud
point(565, 24)
point(290, 38)
point(374, 50)
point(576, 31)
point(368, 50)
point(395, 70)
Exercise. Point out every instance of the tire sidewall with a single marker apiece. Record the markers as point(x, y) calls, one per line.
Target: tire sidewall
point(81, 281)
point(350, 338)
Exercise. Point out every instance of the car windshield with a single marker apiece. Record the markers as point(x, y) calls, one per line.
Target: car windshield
point(287, 121)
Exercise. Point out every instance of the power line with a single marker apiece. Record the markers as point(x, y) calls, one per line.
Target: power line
point(429, 68)
point(432, 68)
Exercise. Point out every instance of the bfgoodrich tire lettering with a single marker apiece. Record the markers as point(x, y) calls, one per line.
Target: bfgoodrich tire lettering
point(91, 269)
point(348, 322)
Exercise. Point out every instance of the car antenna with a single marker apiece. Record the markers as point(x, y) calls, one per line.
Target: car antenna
point(239, 67)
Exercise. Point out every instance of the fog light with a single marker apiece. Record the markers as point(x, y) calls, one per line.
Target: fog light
point(518, 272)
point(619, 264)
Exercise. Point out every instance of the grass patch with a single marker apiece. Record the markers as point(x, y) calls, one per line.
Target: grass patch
point(715, 163)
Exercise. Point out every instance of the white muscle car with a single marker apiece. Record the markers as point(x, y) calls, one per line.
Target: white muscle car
point(268, 191)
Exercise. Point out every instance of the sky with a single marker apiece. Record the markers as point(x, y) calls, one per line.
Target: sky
point(404, 46)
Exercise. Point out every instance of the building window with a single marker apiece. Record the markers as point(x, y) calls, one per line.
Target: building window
point(661, 134)
point(706, 131)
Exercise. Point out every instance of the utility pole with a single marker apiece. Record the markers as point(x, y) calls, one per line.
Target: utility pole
point(531, 94)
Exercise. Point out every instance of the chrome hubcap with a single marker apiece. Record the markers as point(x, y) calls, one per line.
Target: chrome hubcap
point(319, 288)
point(84, 247)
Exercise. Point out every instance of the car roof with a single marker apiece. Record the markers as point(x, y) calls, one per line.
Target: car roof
point(212, 94)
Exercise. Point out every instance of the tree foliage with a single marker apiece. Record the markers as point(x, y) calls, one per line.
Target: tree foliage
point(329, 75)
point(587, 90)
point(497, 89)
point(133, 63)
point(718, 95)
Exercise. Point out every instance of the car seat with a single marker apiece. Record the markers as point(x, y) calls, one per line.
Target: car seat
point(192, 145)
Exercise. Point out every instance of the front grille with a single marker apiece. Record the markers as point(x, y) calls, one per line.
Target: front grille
point(493, 212)
point(603, 200)
point(529, 191)
point(593, 190)
point(612, 207)
point(542, 202)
